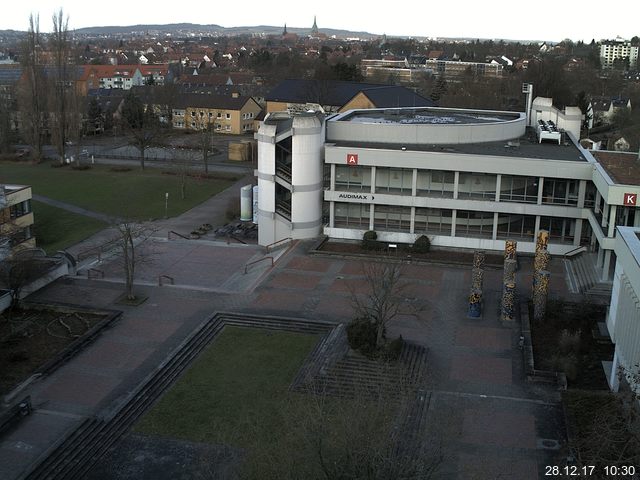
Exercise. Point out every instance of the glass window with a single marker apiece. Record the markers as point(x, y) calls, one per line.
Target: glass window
point(474, 224)
point(392, 218)
point(561, 230)
point(433, 220)
point(477, 185)
point(394, 180)
point(228, 116)
point(519, 227)
point(519, 189)
point(351, 215)
point(353, 178)
point(560, 192)
point(435, 183)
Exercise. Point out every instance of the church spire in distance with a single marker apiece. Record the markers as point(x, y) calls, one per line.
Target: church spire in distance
point(314, 29)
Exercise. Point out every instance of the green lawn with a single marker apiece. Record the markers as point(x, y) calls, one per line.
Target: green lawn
point(132, 194)
point(234, 392)
point(56, 229)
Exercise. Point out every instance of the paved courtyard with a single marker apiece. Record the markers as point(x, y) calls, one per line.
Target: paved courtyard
point(491, 422)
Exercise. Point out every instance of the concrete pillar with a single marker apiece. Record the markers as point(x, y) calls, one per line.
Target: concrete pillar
point(475, 304)
point(614, 381)
point(605, 215)
point(479, 258)
point(540, 293)
point(596, 206)
point(414, 182)
point(577, 235)
point(540, 188)
point(536, 228)
point(372, 211)
point(494, 233)
point(600, 257)
point(541, 260)
point(373, 183)
point(612, 221)
point(509, 275)
point(508, 302)
point(453, 222)
point(412, 225)
point(456, 184)
point(498, 187)
point(510, 249)
point(476, 279)
point(605, 266)
point(332, 214)
point(582, 193)
point(542, 240)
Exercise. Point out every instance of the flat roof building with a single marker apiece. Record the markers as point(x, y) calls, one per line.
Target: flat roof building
point(465, 178)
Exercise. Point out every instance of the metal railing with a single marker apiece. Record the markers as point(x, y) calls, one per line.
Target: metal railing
point(271, 246)
point(575, 251)
point(97, 273)
point(176, 234)
point(257, 261)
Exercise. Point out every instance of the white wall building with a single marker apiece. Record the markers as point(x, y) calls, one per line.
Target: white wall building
point(623, 321)
point(619, 48)
point(465, 178)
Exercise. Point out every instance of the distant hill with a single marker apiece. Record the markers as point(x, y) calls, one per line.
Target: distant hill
point(195, 29)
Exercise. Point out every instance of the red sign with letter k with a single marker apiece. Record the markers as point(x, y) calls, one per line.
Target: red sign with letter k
point(352, 159)
point(630, 199)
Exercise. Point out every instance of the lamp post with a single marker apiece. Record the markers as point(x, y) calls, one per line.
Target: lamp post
point(166, 204)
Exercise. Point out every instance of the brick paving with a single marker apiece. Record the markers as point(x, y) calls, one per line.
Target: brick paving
point(491, 417)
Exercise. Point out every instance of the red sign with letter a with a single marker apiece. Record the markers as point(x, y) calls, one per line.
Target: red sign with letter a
point(352, 159)
point(630, 199)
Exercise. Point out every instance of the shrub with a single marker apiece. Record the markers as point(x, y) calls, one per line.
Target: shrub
point(422, 244)
point(120, 169)
point(81, 167)
point(568, 364)
point(393, 349)
point(370, 242)
point(570, 342)
point(361, 334)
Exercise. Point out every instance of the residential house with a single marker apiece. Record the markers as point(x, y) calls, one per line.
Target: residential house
point(604, 108)
point(336, 96)
point(234, 114)
point(16, 218)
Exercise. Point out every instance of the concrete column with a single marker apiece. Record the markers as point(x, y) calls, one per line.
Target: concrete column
point(596, 206)
point(636, 220)
point(600, 257)
point(456, 182)
point(605, 215)
point(494, 234)
point(537, 227)
point(412, 225)
point(582, 193)
point(373, 183)
point(332, 214)
point(414, 182)
point(540, 187)
point(605, 266)
point(332, 184)
point(453, 222)
point(577, 235)
point(498, 186)
point(614, 381)
point(612, 221)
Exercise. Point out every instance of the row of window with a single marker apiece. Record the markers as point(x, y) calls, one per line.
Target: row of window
point(20, 209)
point(440, 183)
point(440, 222)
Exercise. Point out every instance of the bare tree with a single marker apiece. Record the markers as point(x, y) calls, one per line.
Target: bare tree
point(64, 115)
point(130, 236)
point(205, 141)
point(182, 160)
point(383, 298)
point(141, 124)
point(32, 98)
point(360, 437)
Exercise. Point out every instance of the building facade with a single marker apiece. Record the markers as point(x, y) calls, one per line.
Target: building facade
point(623, 319)
point(611, 51)
point(465, 178)
point(16, 219)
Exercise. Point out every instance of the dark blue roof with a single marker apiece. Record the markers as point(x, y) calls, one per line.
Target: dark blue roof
point(10, 74)
point(338, 93)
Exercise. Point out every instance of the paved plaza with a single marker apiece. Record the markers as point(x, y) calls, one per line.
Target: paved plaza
point(491, 422)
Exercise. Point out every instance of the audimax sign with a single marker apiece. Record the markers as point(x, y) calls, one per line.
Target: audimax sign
point(356, 196)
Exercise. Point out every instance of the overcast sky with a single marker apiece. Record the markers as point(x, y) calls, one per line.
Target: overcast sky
point(509, 19)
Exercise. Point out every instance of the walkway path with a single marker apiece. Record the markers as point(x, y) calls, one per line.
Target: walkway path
point(75, 209)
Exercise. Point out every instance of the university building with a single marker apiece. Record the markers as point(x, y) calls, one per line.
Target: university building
point(465, 178)
point(16, 219)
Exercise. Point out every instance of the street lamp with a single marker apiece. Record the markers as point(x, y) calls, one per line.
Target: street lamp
point(166, 204)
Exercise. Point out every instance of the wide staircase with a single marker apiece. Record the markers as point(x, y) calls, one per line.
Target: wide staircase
point(583, 277)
